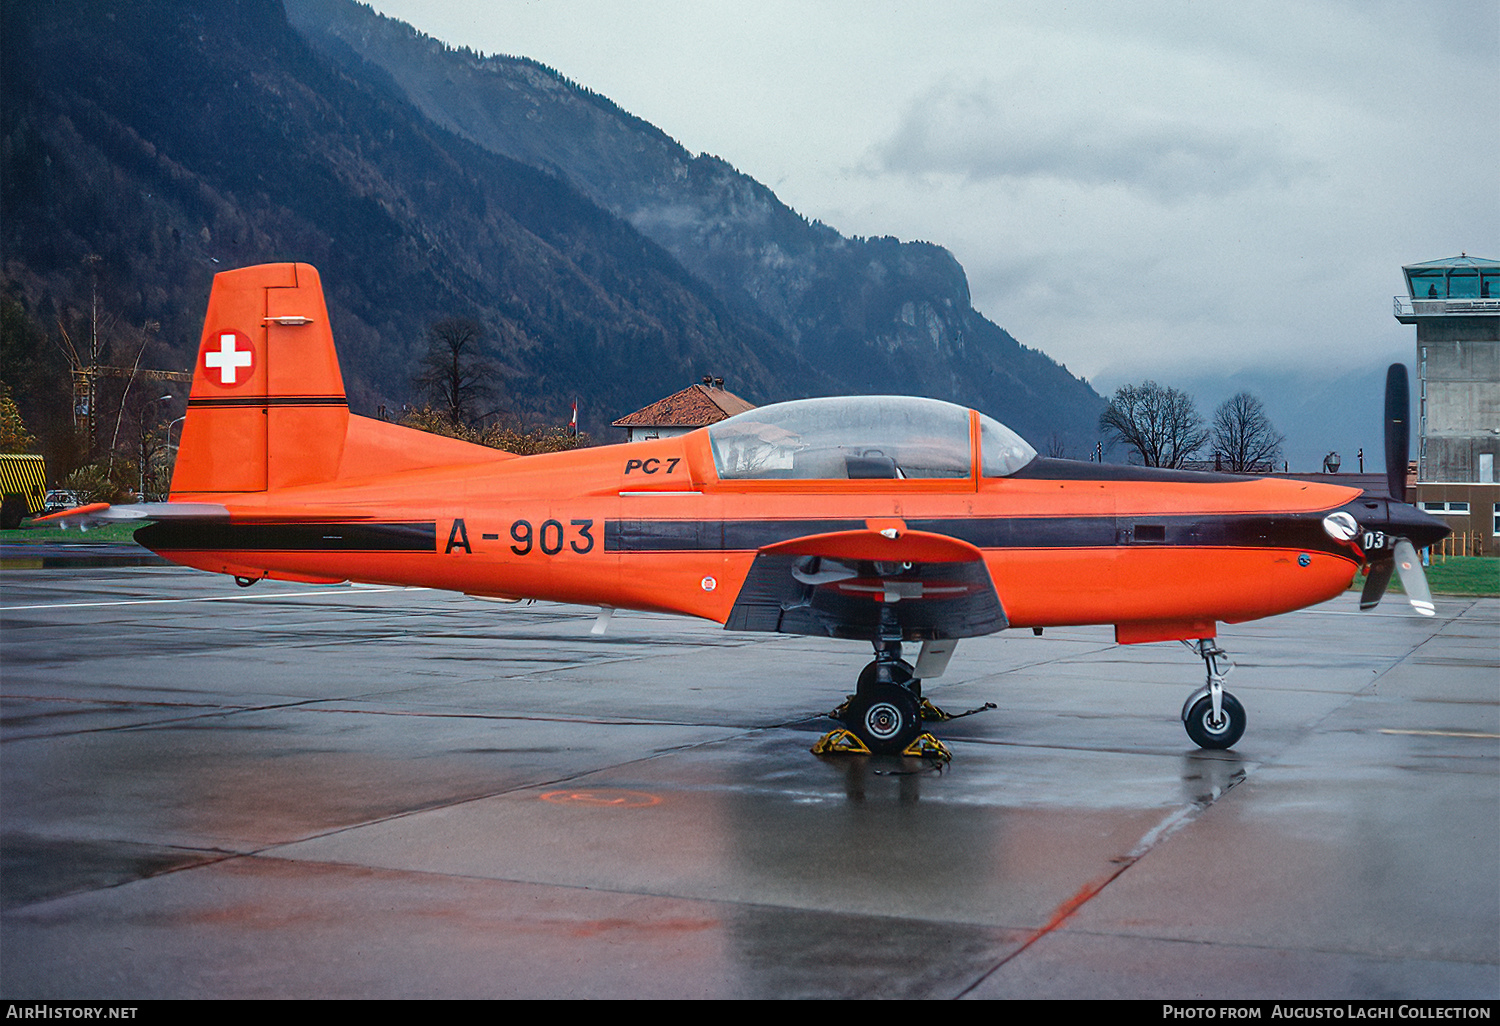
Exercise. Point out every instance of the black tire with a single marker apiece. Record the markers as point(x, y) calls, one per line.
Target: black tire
point(885, 717)
point(1187, 706)
point(1207, 734)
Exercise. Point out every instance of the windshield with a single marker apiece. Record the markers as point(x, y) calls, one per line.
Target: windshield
point(853, 437)
point(1002, 451)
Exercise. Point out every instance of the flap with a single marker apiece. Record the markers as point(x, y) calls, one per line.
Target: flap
point(104, 513)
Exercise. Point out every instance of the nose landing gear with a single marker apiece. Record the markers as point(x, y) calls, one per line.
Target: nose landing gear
point(1213, 717)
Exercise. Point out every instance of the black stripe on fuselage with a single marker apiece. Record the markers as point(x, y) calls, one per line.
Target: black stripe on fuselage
point(712, 535)
point(1235, 530)
point(223, 535)
point(266, 400)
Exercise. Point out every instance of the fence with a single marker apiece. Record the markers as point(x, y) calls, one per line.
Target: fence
point(1459, 543)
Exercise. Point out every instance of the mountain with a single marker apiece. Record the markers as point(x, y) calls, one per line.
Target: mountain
point(171, 139)
point(174, 140)
point(878, 314)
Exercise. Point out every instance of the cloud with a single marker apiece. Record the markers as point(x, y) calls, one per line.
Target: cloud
point(992, 132)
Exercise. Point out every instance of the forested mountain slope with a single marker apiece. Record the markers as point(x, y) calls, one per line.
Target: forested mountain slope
point(172, 139)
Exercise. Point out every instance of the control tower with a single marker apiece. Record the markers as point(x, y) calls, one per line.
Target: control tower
point(1455, 304)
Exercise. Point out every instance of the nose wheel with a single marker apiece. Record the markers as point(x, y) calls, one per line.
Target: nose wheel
point(1213, 717)
point(1210, 731)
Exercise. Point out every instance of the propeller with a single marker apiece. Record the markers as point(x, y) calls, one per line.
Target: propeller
point(1388, 547)
point(1397, 431)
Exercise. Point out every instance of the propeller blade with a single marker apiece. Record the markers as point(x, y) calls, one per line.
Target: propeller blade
point(1409, 566)
point(1375, 584)
point(1397, 430)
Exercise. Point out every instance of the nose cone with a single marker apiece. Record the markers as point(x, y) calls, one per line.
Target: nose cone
point(1421, 529)
point(1375, 512)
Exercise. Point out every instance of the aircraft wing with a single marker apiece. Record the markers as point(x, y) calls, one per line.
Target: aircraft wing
point(870, 583)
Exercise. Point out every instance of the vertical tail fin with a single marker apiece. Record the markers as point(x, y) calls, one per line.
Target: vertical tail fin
point(267, 408)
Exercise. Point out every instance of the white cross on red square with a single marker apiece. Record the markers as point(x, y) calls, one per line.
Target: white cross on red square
point(234, 352)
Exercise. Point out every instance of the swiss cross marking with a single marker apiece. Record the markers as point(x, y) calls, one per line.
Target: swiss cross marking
point(235, 353)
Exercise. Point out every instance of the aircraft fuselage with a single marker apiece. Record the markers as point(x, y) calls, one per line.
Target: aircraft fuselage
point(649, 526)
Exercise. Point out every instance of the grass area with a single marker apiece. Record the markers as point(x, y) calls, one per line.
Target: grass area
point(1458, 575)
point(1464, 575)
point(53, 535)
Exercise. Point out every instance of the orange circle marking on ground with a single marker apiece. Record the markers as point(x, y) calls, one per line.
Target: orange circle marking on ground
point(603, 798)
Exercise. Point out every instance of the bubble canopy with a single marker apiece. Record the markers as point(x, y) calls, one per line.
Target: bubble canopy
point(862, 437)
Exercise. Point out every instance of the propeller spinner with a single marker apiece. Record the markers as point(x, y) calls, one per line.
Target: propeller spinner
point(1388, 541)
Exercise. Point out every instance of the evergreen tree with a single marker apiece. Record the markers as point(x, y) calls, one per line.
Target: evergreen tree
point(13, 434)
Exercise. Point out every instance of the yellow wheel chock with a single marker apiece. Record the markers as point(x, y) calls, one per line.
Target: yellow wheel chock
point(844, 742)
point(840, 742)
point(928, 747)
point(931, 713)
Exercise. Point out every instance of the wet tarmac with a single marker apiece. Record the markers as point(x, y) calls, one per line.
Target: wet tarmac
point(299, 791)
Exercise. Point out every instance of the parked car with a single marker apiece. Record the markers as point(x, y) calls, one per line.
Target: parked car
point(61, 499)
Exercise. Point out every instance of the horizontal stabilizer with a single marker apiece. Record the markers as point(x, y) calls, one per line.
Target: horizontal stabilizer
point(103, 513)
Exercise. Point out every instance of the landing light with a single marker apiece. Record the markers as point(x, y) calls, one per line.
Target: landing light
point(1340, 526)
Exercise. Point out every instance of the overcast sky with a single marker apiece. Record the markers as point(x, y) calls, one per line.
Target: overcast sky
point(1141, 189)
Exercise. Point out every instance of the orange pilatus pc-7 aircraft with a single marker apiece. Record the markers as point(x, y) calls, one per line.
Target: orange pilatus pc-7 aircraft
point(881, 519)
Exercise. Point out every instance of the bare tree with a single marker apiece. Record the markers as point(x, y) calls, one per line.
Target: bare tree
point(1159, 424)
point(455, 378)
point(1243, 438)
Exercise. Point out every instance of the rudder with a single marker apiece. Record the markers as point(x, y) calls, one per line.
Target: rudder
point(267, 407)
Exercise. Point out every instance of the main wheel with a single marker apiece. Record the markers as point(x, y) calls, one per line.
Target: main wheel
point(885, 718)
point(1208, 734)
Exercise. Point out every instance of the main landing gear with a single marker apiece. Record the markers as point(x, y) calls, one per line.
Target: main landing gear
point(885, 714)
point(1213, 717)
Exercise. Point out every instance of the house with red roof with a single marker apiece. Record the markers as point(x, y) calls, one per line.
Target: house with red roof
point(694, 407)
